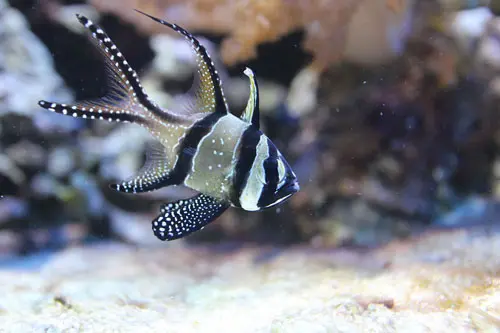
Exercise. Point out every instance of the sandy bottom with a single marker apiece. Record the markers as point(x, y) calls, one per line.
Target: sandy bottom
point(439, 282)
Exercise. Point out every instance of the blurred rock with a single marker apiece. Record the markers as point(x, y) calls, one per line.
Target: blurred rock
point(61, 161)
point(26, 67)
point(468, 26)
point(301, 97)
point(27, 154)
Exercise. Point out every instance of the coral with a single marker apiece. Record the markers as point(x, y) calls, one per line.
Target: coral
point(360, 30)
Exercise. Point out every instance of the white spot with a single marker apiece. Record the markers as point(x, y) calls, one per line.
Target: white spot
point(74, 114)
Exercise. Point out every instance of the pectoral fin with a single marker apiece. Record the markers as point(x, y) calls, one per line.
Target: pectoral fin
point(183, 217)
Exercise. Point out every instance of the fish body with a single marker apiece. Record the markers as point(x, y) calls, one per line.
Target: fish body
point(200, 144)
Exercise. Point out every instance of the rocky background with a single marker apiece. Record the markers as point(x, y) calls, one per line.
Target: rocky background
point(387, 109)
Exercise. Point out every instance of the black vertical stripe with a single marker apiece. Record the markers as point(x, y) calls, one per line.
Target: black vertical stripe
point(190, 143)
point(272, 176)
point(247, 151)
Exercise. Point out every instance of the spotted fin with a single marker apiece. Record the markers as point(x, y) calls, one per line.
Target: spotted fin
point(206, 95)
point(183, 217)
point(251, 113)
point(156, 173)
point(125, 99)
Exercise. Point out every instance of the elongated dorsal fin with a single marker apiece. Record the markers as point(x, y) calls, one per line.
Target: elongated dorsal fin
point(251, 113)
point(208, 94)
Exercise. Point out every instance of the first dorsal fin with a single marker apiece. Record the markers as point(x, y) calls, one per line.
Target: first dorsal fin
point(251, 113)
point(208, 94)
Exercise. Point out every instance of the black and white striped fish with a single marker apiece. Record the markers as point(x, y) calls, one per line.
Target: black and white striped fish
point(227, 159)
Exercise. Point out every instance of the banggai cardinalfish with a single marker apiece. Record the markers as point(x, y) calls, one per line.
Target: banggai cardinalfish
point(201, 145)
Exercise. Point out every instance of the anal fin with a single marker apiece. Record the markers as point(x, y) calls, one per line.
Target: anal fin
point(183, 217)
point(155, 173)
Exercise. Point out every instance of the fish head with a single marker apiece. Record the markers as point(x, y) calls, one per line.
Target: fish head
point(280, 182)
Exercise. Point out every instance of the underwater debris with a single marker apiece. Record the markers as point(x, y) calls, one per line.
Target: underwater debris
point(361, 31)
point(203, 132)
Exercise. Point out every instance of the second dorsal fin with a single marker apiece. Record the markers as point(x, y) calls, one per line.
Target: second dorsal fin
point(208, 95)
point(251, 113)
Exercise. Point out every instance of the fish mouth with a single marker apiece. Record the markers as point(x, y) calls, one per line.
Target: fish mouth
point(286, 192)
point(291, 188)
